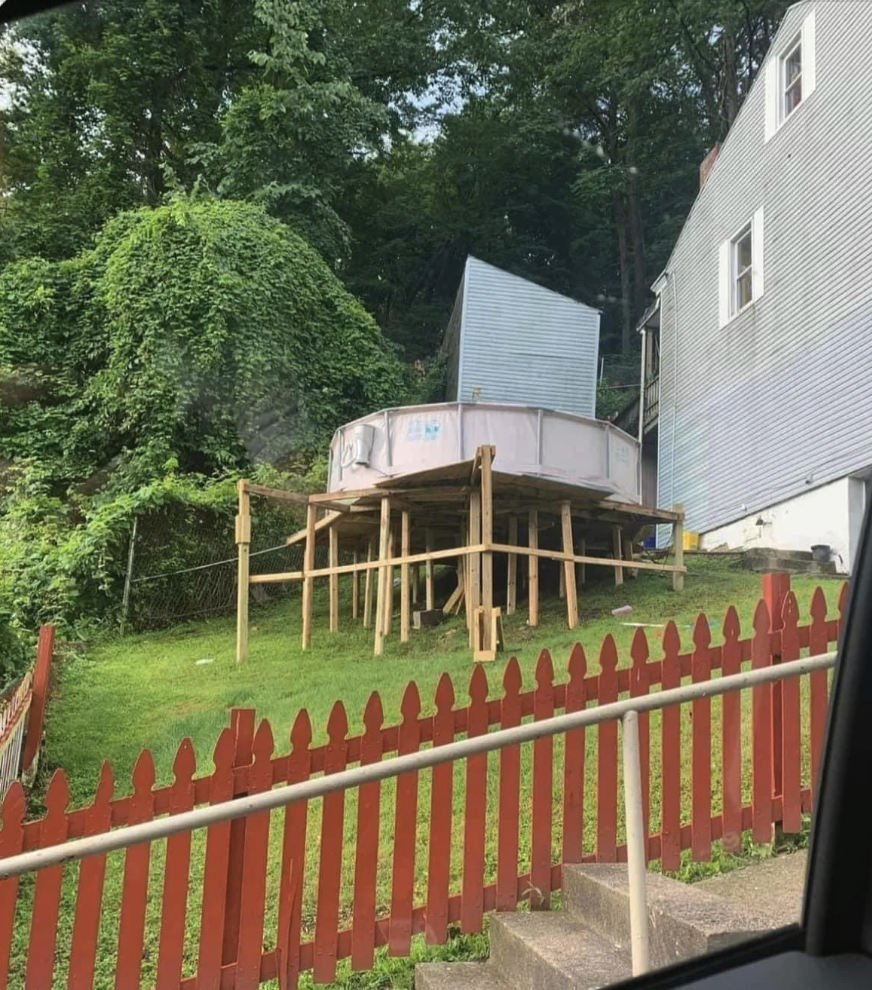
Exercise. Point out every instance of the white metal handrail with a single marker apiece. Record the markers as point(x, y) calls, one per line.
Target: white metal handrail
point(626, 712)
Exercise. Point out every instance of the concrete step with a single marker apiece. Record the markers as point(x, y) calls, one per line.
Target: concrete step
point(457, 976)
point(684, 921)
point(540, 950)
point(775, 887)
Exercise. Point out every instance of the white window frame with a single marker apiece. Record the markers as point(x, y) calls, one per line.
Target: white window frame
point(787, 85)
point(776, 86)
point(729, 273)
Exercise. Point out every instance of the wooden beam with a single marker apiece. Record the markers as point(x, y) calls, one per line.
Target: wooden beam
point(355, 589)
point(389, 598)
point(367, 591)
point(581, 573)
point(381, 604)
point(473, 591)
point(597, 561)
point(300, 535)
point(413, 558)
point(617, 537)
point(282, 578)
point(308, 580)
point(569, 567)
point(429, 590)
point(416, 583)
point(243, 550)
point(297, 498)
point(333, 581)
point(405, 577)
point(487, 537)
point(533, 567)
point(678, 549)
point(512, 579)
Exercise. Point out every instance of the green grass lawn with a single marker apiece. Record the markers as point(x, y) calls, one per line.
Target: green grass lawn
point(149, 690)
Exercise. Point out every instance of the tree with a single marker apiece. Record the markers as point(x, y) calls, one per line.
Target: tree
point(201, 332)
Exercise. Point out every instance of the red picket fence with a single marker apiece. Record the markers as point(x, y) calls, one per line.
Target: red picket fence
point(329, 897)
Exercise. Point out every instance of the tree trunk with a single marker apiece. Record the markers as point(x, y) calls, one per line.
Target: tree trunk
point(620, 207)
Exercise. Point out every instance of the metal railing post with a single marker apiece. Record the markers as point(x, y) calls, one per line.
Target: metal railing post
point(637, 861)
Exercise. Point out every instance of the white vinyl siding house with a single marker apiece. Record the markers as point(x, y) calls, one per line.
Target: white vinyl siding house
point(765, 414)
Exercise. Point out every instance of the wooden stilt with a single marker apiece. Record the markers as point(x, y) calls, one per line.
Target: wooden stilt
point(367, 588)
point(308, 581)
point(569, 566)
point(628, 555)
point(355, 589)
point(416, 582)
point(581, 573)
point(333, 581)
point(678, 549)
point(616, 553)
point(428, 572)
point(243, 544)
point(405, 579)
point(533, 569)
point(389, 598)
point(383, 550)
point(512, 578)
point(561, 586)
point(473, 587)
point(487, 538)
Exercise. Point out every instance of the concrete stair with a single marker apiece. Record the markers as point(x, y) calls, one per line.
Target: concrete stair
point(760, 560)
point(587, 944)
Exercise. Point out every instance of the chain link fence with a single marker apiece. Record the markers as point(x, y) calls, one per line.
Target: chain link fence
point(183, 565)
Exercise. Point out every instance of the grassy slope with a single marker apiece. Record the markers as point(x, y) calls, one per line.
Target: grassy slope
point(149, 691)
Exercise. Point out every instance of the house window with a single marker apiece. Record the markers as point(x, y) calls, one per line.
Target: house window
point(743, 271)
point(791, 76)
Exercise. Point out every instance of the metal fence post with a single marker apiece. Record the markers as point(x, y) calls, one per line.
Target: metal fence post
point(128, 577)
point(637, 860)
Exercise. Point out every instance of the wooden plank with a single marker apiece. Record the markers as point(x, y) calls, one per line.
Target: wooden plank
point(355, 589)
point(447, 554)
point(731, 737)
point(818, 686)
point(573, 762)
point(487, 536)
point(322, 524)
point(430, 585)
point(761, 730)
point(559, 555)
point(330, 500)
point(533, 568)
point(330, 853)
point(367, 590)
point(12, 843)
point(701, 747)
point(473, 591)
point(678, 550)
point(280, 578)
point(333, 581)
point(309, 581)
point(543, 789)
point(243, 551)
point(580, 569)
point(405, 578)
point(475, 810)
point(441, 807)
point(242, 724)
point(366, 851)
point(670, 755)
point(405, 829)
point(628, 555)
point(512, 577)
point(389, 601)
point(640, 678)
point(607, 759)
point(617, 538)
point(791, 723)
point(383, 549)
point(47, 893)
point(509, 819)
point(454, 599)
point(176, 873)
point(569, 566)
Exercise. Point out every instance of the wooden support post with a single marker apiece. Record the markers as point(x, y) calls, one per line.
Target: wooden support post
point(243, 544)
point(628, 555)
point(428, 572)
point(581, 573)
point(405, 578)
point(569, 566)
point(487, 538)
point(533, 569)
point(416, 583)
point(384, 536)
point(617, 537)
point(678, 548)
point(473, 585)
point(389, 598)
point(367, 588)
point(355, 588)
point(308, 567)
point(333, 581)
point(561, 584)
point(512, 579)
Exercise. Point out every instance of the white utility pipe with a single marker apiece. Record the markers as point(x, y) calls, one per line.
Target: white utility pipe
point(308, 790)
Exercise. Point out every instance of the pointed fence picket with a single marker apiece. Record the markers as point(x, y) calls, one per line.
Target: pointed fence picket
point(226, 879)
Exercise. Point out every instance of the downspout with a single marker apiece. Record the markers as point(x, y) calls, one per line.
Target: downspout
point(642, 408)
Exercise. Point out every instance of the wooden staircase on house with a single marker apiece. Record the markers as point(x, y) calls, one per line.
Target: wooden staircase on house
point(586, 945)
